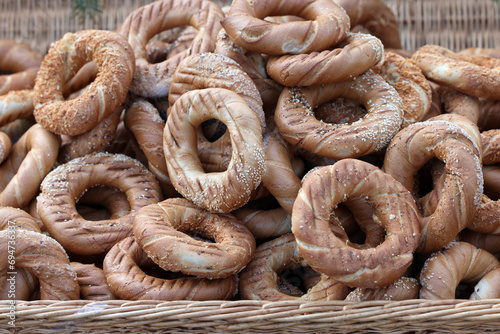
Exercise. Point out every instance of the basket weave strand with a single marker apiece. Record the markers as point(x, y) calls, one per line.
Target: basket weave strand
point(422, 316)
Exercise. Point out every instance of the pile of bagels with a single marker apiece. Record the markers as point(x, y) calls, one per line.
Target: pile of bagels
point(265, 150)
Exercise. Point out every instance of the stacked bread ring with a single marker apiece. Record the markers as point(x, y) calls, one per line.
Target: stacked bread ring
point(269, 150)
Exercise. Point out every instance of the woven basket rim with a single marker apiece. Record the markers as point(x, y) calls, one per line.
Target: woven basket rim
point(380, 316)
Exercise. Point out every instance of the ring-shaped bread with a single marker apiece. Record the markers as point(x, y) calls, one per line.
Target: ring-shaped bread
point(394, 208)
point(376, 17)
point(356, 54)
point(219, 192)
point(31, 158)
point(325, 24)
point(144, 123)
point(92, 282)
point(153, 80)
point(212, 70)
point(44, 258)
point(260, 279)
point(115, 60)
point(122, 267)
point(65, 184)
point(5, 146)
point(295, 119)
point(15, 105)
point(164, 231)
point(465, 73)
point(458, 262)
point(454, 200)
point(487, 287)
point(410, 83)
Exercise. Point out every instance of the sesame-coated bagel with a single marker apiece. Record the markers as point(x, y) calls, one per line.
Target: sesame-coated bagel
point(62, 187)
point(116, 63)
point(223, 191)
point(323, 188)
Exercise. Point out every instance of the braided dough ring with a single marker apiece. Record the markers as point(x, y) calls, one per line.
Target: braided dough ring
point(280, 177)
point(62, 187)
point(223, 191)
point(210, 70)
point(322, 190)
point(162, 230)
point(296, 121)
point(325, 24)
point(455, 102)
point(122, 267)
point(454, 201)
point(44, 258)
point(457, 262)
point(114, 57)
point(92, 282)
point(464, 73)
point(16, 218)
point(259, 280)
point(97, 139)
point(20, 62)
point(353, 56)
point(153, 80)
point(32, 157)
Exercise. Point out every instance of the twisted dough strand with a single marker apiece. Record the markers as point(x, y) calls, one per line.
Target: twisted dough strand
point(153, 80)
point(116, 63)
point(395, 209)
point(45, 258)
point(216, 192)
point(32, 157)
point(259, 280)
point(325, 24)
point(451, 206)
point(457, 262)
point(163, 231)
point(122, 267)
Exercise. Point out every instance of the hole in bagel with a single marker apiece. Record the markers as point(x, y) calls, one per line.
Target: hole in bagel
point(355, 222)
point(295, 281)
point(340, 111)
point(213, 129)
point(214, 156)
point(463, 290)
point(102, 203)
point(77, 84)
point(424, 184)
point(152, 269)
point(94, 212)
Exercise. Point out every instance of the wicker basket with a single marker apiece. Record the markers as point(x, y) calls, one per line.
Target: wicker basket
point(455, 24)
